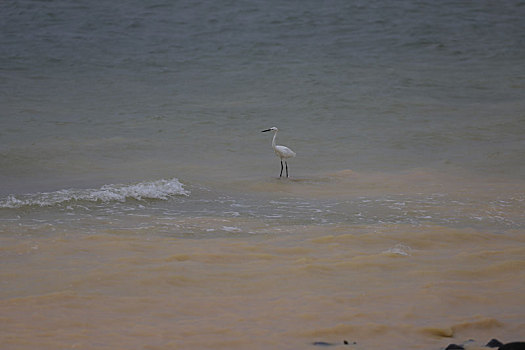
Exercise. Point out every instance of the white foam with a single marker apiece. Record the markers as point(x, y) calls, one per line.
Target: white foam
point(231, 229)
point(399, 249)
point(160, 189)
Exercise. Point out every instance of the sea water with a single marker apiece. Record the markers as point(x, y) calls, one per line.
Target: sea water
point(141, 206)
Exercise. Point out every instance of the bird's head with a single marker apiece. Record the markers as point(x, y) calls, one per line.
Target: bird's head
point(273, 128)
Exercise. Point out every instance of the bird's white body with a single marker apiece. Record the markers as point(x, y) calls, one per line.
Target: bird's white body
point(282, 152)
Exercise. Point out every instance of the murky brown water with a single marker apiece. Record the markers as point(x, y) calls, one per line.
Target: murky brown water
point(387, 286)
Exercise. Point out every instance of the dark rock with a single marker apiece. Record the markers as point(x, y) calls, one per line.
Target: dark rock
point(454, 347)
point(519, 345)
point(494, 343)
point(324, 343)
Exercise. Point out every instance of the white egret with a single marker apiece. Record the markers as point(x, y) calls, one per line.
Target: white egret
point(282, 152)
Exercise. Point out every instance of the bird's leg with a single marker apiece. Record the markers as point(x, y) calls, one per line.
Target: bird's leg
point(281, 169)
point(286, 168)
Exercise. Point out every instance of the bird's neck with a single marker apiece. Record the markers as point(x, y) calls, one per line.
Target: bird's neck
point(273, 140)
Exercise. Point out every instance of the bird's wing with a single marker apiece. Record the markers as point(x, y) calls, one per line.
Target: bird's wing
point(284, 151)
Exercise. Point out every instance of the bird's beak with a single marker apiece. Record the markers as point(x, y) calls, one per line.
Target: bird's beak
point(266, 130)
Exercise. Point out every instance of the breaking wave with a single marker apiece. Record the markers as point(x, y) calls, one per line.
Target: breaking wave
point(160, 189)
